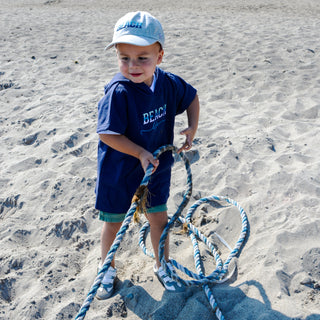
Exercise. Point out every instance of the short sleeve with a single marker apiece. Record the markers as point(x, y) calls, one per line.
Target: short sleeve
point(112, 111)
point(185, 93)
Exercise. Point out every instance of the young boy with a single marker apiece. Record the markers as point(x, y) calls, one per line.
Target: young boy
point(135, 118)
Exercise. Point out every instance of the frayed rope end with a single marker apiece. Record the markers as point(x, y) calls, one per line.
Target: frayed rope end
point(141, 197)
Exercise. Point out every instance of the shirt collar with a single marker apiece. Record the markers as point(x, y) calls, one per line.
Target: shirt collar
point(153, 85)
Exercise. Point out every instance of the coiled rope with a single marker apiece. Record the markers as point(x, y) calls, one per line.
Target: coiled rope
point(217, 276)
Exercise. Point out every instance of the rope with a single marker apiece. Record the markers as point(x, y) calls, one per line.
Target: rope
point(220, 274)
point(217, 276)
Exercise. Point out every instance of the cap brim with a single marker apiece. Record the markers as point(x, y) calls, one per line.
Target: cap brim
point(134, 40)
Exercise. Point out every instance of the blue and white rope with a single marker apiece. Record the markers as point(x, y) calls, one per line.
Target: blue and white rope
point(107, 262)
point(219, 275)
point(200, 279)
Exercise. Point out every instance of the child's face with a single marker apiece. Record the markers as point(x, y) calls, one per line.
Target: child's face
point(139, 63)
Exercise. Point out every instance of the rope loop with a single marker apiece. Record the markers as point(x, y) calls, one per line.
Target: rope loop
point(219, 275)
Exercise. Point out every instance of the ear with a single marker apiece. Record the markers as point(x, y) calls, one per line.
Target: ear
point(160, 56)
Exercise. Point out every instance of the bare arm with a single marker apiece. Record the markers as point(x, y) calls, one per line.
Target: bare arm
point(123, 144)
point(193, 119)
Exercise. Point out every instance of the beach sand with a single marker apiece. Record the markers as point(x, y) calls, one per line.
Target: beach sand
point(256, 66)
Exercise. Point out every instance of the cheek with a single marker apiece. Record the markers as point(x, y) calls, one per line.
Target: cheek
point(122, 66)
point(149, 65)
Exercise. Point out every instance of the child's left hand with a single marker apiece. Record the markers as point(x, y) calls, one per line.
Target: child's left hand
point(193, 118)
point(189, 133)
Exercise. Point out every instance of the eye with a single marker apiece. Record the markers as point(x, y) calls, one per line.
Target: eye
point(125, 59)
point(143, 58)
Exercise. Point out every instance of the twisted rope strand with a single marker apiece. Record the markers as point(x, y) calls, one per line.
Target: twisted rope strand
point(221, 270)
point(219, 275)
point(107, 262)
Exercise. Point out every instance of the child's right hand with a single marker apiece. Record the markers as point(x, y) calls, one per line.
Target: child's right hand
point(146, 158)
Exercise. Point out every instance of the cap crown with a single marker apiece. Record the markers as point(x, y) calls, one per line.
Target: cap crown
point(137, 28)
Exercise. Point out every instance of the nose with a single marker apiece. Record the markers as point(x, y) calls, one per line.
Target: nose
point(133, 63)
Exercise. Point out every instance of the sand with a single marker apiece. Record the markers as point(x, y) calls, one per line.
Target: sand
point(256, 65)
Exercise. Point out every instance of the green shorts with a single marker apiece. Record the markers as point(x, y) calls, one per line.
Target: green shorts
point(119, 217)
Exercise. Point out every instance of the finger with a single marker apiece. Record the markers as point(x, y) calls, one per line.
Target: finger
point(188, 142)
point(155, 164)
point(183, 147)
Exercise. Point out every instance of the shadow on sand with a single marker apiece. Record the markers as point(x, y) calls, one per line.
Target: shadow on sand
point(193, 304)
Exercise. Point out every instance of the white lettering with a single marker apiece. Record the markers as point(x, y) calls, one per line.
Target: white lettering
point(151, 116)
point(145, 118)
point(154, 115)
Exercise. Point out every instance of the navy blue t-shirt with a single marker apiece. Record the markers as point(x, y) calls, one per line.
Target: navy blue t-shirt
point(146, 118)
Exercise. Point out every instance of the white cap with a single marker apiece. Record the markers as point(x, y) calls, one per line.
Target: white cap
point(137, 28)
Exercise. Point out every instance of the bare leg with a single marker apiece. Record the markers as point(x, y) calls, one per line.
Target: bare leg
point(108, 234)
point(158, 221)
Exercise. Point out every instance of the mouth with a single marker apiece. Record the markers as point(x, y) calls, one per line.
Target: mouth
point(135, 75)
